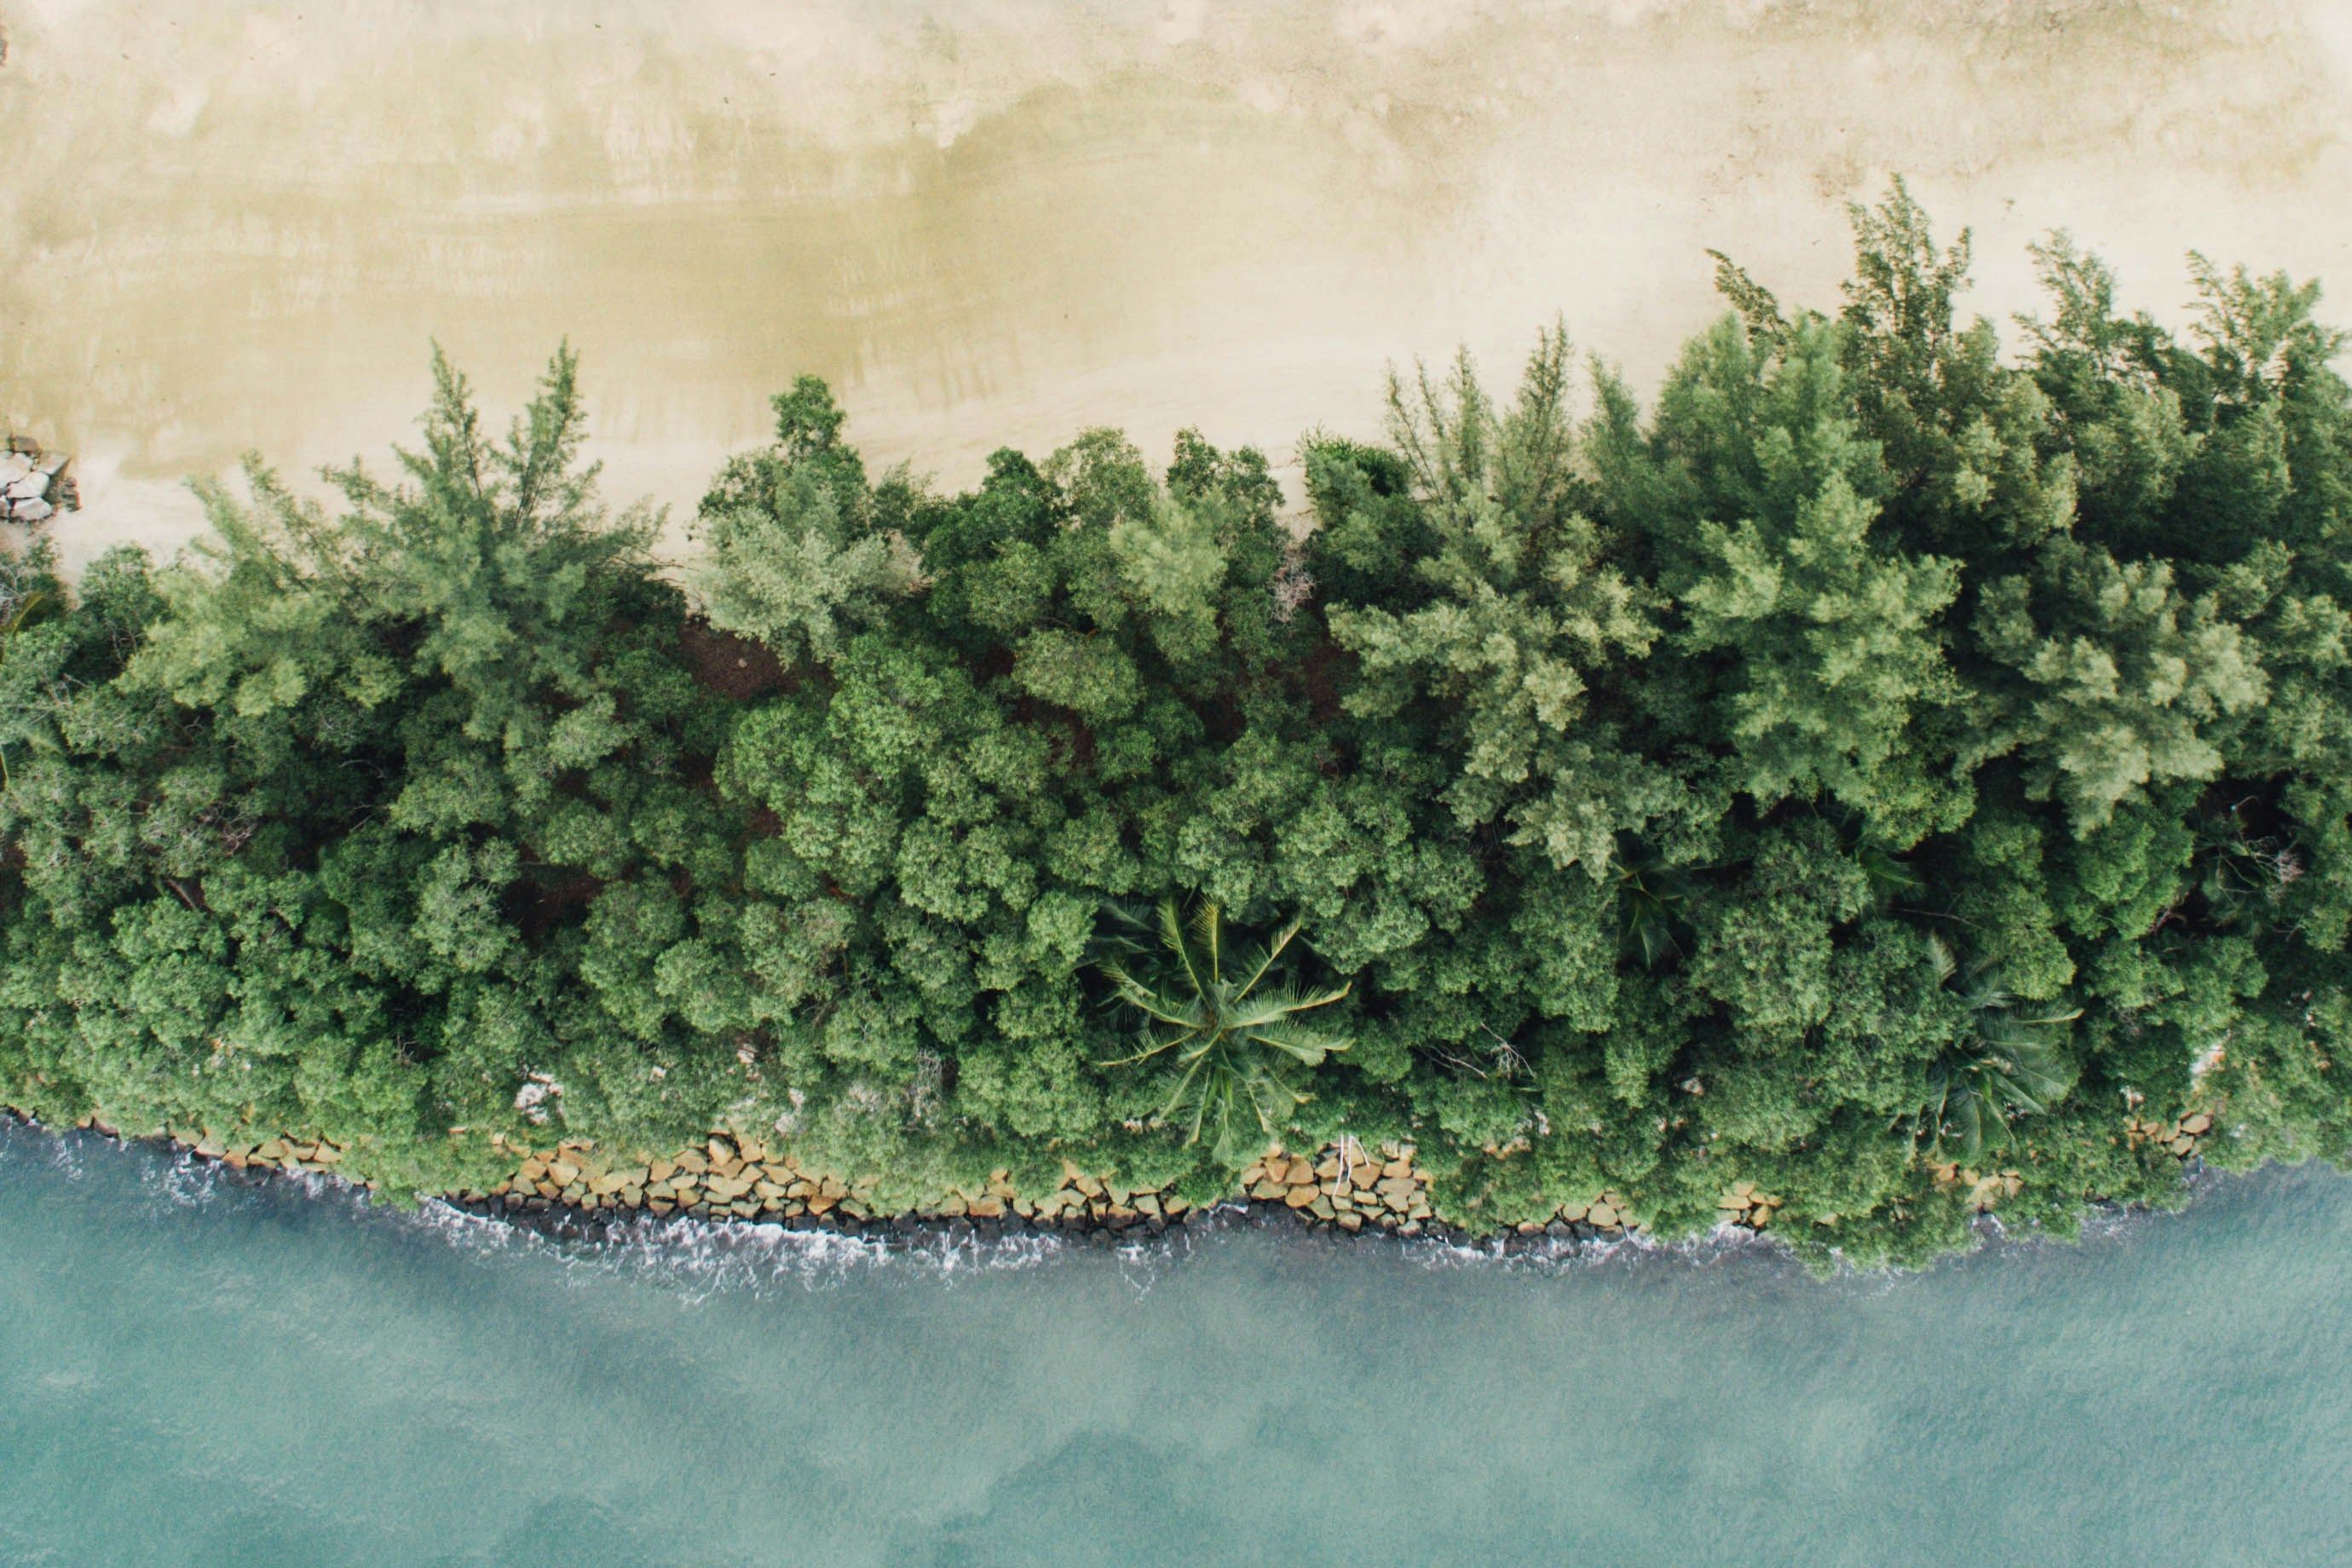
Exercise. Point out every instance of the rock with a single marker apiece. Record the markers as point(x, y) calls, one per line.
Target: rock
point(562, 1172)
point(29, 486)
point(1300, 1197)
point(1603, 1215)
point(1736, 1203)
point(989, 1207)
point(2182, 1144)
point(1351, 1223)
point(53, 465)
point(15, 465)
point(1269, 1191)
point(1321, 1208)
point(2197, 1126)
point(692, 1159)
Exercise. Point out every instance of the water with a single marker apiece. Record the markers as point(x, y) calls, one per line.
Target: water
point(196, 1369)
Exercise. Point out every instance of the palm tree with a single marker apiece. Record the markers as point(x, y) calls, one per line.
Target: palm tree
point(1231, 1030)
point(1651, 893)
point(2006, 1065)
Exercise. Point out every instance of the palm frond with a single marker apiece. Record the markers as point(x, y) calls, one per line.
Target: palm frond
point(1266, 957)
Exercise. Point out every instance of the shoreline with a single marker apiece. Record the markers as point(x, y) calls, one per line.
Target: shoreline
point(1082, 1206)
point(1083, 1209)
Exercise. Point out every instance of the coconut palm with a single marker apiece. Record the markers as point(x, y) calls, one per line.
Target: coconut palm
point(2006, 1065)
point(1230, 1032)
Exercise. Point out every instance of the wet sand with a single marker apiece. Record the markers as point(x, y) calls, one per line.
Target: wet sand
point(232, 225)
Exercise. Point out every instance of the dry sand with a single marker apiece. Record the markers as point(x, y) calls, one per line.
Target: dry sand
point(232, 225)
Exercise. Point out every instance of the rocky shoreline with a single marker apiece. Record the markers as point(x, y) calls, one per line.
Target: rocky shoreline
point(572, 1191)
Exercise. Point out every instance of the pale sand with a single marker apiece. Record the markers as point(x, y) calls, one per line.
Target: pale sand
point(232, 225)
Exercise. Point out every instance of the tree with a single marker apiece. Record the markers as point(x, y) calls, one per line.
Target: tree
point(1230, 1025)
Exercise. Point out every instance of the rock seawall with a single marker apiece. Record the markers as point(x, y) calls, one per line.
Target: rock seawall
point(572, 1189)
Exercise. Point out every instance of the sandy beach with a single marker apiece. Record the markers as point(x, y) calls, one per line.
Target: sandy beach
point(993, 223)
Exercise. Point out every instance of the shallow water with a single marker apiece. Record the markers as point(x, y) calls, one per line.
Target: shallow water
point(234, 224)
point(197, 1370)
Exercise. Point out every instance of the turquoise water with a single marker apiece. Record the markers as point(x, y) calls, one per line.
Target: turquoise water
point(198, 1370)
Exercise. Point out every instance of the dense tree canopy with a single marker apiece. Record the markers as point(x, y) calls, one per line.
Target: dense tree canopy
point(1884, 754)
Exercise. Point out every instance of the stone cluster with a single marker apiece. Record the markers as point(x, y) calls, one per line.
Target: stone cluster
point(35, 485)
point(2180, 1139)
point(1345, 1185)
point(266, 1154)
point(1985, 1188)
point(1349, 1188)
point(719, 1179)
point(1744, 1205)
point(1607, 1216)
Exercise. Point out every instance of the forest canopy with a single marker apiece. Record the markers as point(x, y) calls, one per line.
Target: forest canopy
point(1884, 752)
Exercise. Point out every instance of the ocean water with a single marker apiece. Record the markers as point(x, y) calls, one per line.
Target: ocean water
point(198, 1370)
